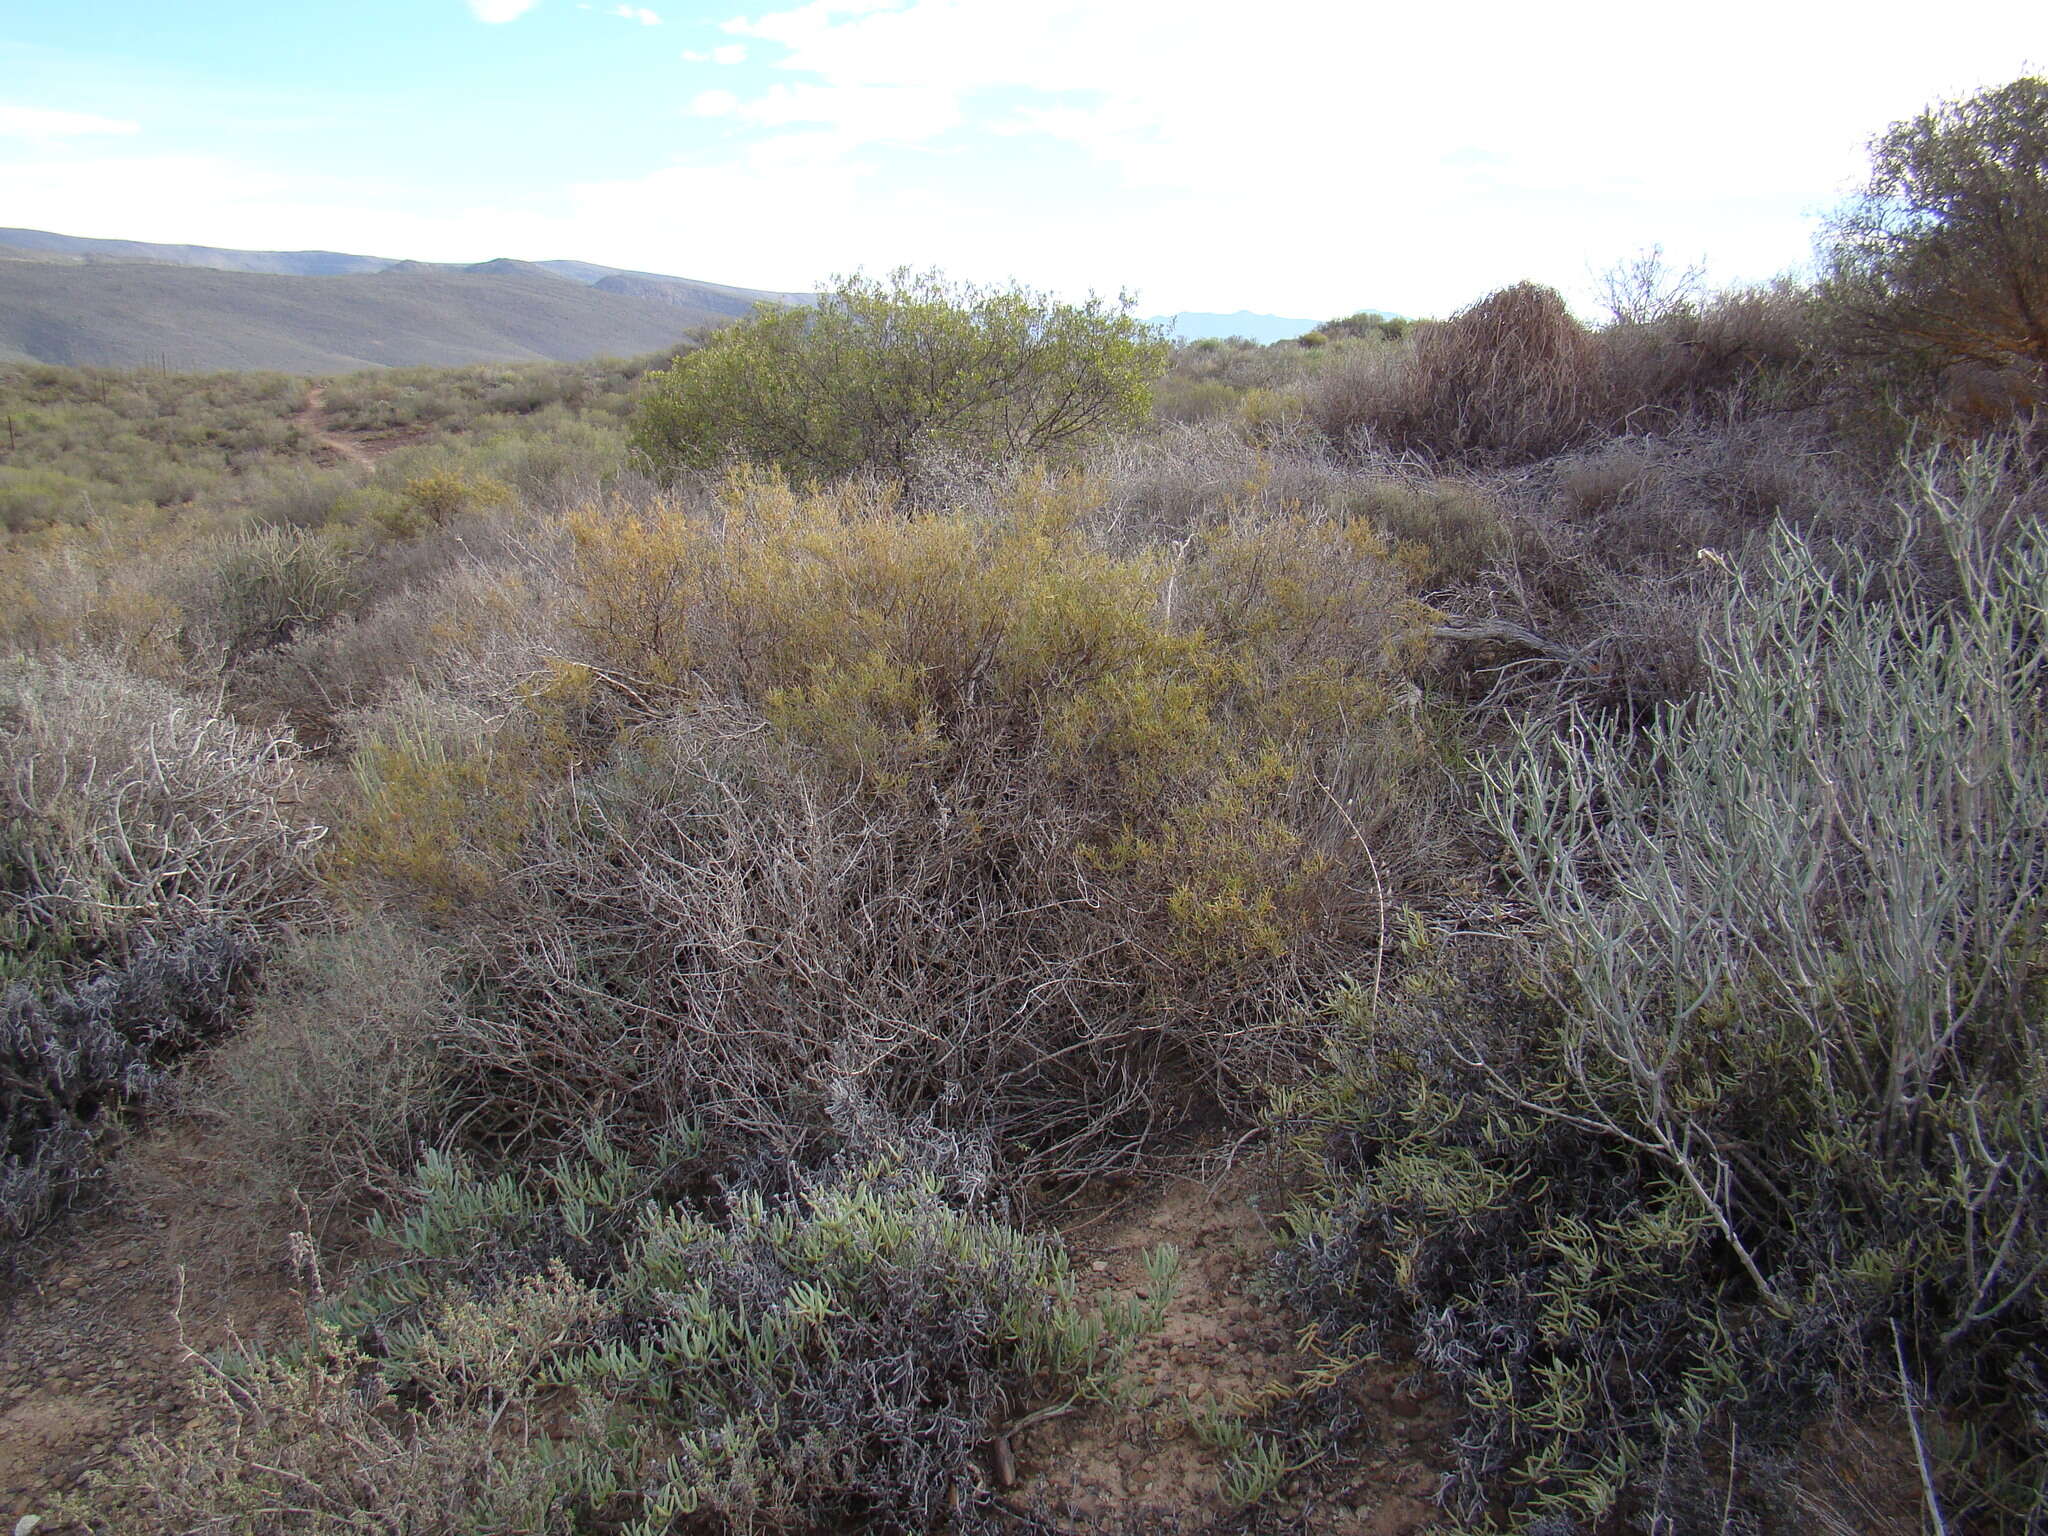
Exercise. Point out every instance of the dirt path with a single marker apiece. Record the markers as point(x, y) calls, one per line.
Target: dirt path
point(1226, 1344)
point(91, 1348)
point(312, 418)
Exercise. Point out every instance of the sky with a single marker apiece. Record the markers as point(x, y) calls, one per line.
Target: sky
point(1294, 157)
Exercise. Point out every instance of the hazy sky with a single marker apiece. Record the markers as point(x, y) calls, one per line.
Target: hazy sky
point(1286, 156)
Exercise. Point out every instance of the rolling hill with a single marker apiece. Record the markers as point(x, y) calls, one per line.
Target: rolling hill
point(122, 303)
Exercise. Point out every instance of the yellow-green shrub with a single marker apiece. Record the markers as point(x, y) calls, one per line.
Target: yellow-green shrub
point(969, 807)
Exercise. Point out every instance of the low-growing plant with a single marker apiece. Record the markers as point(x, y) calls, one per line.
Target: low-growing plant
point(332, 1087)
point(612, 1345)
point(75, 1055)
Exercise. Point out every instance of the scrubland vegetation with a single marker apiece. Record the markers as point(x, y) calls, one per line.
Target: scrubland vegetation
point(692, 915)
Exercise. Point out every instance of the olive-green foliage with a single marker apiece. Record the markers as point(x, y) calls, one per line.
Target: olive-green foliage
point(881, 374)
point(607, 1346)
point(75, 442)
point(1366, 325)
point(1015, 828)
point(442, 401)
point(330, 1090)
point(1761, 1126)
point(1940, 259)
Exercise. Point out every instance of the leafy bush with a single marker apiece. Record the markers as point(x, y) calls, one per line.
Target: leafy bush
point(73, 1056)
point(594, 1350)
point(1761, 1128)
point(1938, 261)
point(879, 374)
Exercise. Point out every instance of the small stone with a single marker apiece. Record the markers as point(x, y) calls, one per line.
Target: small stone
point(1100, 1267)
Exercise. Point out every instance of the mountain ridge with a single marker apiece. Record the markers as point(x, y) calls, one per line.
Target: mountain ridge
point(83, 301)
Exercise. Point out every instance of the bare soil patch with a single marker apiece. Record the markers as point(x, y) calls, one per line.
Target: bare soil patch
point(332, 447)
point(1226, 1344)
point(95, 1333)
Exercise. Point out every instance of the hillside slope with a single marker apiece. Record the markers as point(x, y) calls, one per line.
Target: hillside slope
point(45, 243)
point(127, 315)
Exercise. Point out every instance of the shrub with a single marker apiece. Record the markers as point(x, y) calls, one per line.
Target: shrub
point(1938, 261)
point(265, 588)
point(133, 810)
point(1444, 532)
point(1016, 830)
point(1760, 1129)
point(440, 496)
point(73, 1056)
point(330, 1091)
point(593, 1349)
point(878, 374)
point(1507, 380)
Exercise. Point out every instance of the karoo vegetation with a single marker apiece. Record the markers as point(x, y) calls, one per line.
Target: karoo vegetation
point(685, 867)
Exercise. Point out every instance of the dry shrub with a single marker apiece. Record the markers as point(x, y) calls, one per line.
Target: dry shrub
point(329, 1092)
point(1007, 827)
point(1445, 533)
point(133, 809)
point(1511, 379)
point(1160, 488)
point(1740, 353)
point(470, 629)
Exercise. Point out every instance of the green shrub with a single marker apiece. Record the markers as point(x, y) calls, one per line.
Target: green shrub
point(1759, 1128)
point(595, 1350)
point(878, 375)
point(267, 586)
point(1938, 261)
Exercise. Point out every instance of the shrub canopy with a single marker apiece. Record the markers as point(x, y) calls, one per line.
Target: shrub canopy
point(880, 374)
point(1943, 258)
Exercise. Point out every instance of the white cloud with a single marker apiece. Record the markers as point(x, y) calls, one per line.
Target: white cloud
point(638, 13)
point(1382, 154)
point(43, 124)
point(1304, 158)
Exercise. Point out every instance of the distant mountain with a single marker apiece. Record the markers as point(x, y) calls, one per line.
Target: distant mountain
point(124, 315)
point(1190, 326)
point(123, 303)
point(293, 263)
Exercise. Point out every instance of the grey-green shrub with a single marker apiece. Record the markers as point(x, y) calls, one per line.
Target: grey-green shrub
point(613, 1345)
point(74, 1055)
point(1759, 1126)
